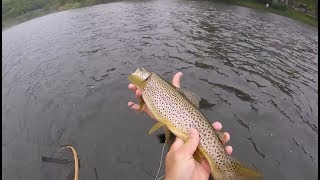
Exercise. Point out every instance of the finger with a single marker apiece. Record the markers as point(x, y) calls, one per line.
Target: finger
point(191, 144)
point(217, 126)
point(203, 169)
point(205, 165)
point(133, 106)
point(178, 143)
point(139, 94)
point(132, 87)
point(135, 90)
point(176, 79)
point(229, 149)
point(226, 137)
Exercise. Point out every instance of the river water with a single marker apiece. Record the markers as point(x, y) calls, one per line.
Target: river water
point(64, 81)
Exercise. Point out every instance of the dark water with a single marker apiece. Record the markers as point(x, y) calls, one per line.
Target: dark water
point(65, 82)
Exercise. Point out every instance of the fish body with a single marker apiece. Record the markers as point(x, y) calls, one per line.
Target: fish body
point(178, 112)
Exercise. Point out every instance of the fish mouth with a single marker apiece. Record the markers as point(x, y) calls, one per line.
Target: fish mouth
point(139, 71)
point(139, 77)
point(142, 73)
point(132, 77)
point(137, 81)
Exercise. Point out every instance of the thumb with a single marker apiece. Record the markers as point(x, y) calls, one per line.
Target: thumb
point(191, 144)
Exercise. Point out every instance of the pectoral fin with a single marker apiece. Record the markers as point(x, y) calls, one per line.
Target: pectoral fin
point(156, 127)
point(198, 156)
point(190, 96)
point(141, 104)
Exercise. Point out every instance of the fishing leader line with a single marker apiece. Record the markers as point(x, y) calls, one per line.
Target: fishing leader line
point(156, 178)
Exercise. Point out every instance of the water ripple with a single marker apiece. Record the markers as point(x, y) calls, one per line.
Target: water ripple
point(256, 72)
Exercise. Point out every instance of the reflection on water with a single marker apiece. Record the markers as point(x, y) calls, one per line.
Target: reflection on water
point(64, 82)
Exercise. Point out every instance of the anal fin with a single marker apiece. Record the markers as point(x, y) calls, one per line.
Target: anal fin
point(155, 127)
point(241, 171)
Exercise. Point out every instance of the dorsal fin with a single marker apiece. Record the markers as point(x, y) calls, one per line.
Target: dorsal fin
point(190, 96)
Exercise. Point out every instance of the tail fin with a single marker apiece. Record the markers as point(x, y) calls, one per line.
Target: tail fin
point(241, 171)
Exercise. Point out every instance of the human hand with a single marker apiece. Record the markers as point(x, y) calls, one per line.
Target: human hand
point(180, 164)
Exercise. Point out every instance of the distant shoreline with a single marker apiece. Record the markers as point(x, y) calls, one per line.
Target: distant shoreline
point(293, 14)
point(290, 13)
point(10, 22)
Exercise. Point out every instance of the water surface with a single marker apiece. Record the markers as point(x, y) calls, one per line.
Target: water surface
point(65, 82)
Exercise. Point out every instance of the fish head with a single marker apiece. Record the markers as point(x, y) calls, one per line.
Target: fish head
point(139, 77)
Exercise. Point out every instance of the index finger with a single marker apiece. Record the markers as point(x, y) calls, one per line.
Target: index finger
point(132, 87)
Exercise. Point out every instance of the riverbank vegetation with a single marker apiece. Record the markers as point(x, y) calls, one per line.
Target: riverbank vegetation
point(18, 11)
point(302, 10)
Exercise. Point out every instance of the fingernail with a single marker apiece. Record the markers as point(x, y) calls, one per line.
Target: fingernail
point(229, 149)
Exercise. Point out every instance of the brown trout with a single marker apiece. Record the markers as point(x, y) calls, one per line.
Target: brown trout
point(177, 110)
